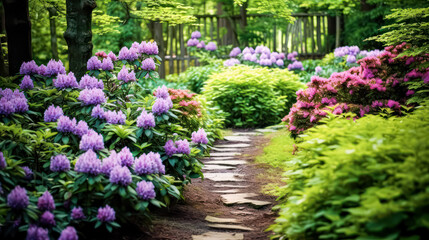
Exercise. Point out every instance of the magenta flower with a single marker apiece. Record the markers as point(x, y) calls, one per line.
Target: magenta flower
point(28, 68)
point(126, 157)
point(112, 56)
point(393, 104)
point(26, 83)
point(52, 114)
point(37, 233)
point(65, 81)
point(46, 202)
point(146, 120)
point(150, 163)
point(98, 112)
point(106, 214)
point(145, 190)
point(77, 213)
point(47, 219)
point(81, 128)
point(88, 163)
point(66, 125)
point(91, 141)
point(69, 233)
point(211, 46)
point(90, 82)
point(93, 63)
point(200, 137)
point(120, 175)
point(107, 64)
point(17, 198)
point(92, 96)
point(60, 163)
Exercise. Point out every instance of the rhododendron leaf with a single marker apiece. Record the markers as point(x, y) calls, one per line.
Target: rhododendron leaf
point(97, 224)
point(65, 139)
point(122, 192)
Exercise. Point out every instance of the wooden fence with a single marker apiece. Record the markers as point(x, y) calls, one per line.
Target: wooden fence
point(308, 35)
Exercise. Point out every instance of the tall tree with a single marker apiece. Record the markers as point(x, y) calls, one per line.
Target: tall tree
point(18, 32)
point(78, 34)
point(54, 43)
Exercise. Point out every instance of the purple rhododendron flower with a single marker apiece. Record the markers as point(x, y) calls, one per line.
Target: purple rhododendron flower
point(46, 202)
point(65, 81)
point(200, 137)
point(106, 214)
point(297, 65)
point(280, 63)
point(201, 44)
point(69, 233)
point(77, 213)
point(88, 163)
point(28, 68)
point(150, 48)
point(112, 56)
point(351, 59)
point(12, 101)
point(66, 125)
point(92, 96)
point(81, 128)
point(90, 82)
point(98, 112)
point(47, 219)
point(123, 75)
point(107, 64)
point(93, 63)
point(146, 120)
point(17, 198)
point(128, 54)
point(248, 50)
point(42, 70)
point(126, 157)
point(110, 162)
point(235, 52)
point(145, 190)
point(37, 233)
point(54, 68)
point(318, 69)
point(150, 163)
point(91, 141)
point(28, 173)
point(161, 106)
point(231, 62)
point(275, 55)
point(183, 146)
point(211, 46)
point(192, 42)
point(113, 117)
point(26, 83)
point(265, 62)
point(60, 163)
point(52, 114)
point(162, 92)
point(195, 34)
point(120, 175)
point(393, 104)
point(148, 64)
point(170, 148)
point(3, 163)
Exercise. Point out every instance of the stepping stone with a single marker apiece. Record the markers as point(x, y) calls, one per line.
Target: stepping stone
point(230, 186)
point(224, 177)
point(218, 236)
point(242, 213)
point(224, 154)
point(237, 138)
point(217, 158)
point(217, 167)
point(221, 220)
point(243, 198)
point(237, 145)
point(228, 162)
point(247, 134)
point(226, 149)
point(226, 191)
point(229, 226)
point(266, 130)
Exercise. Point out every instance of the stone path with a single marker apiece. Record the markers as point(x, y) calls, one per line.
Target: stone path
point(222, 167)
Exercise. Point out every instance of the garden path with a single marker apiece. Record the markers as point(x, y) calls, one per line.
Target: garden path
point(227, 204)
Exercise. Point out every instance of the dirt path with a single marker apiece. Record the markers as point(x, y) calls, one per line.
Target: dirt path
point(212, 208)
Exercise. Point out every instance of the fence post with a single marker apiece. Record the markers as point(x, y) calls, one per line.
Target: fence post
point(158, 36)
point(338, 31)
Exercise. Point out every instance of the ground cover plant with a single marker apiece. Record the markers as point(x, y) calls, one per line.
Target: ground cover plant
point(97, 151)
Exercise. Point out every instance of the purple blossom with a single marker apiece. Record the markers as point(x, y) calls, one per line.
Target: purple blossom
point(201, 45)
point(46, 202)
point(354, 50)
point(254, 58)
point(126, 157)
point(93, 63)
point(393, 104)
point(125, 54)
point(66, 125)
point(90, 82)
point(161, 106)
point(123, 75)
point(106, 214)
point(200, 137)
point(341, 51)
point(107, 64)
point(28, 68)
point(150, 163)
point(47, 219)
point(265, 62)
point(77, 213)
point(17, 198)
point(37, 233)
point(52, 114)
point(146, 190)
point(148, 64)
point(69, 233)
point(113, 117)
point(264, 56)
point(88, 163)
point(150, 48)
point(12, 101)
point(26, 83)
point(211, 46)
point(318, 69)
point(98, 112)
point(28, 173)
point(110, 162)
point(275, 55)
point(145, 120)
point(162, 92)
point(248, 50)
point(192, 42)
point(195, 34)
point(170, 148)
point(351, 59)
point(231, 62)
point(235, 52)
point(282, 56)
point(42, 70)
point(81, 128)
point(120, 175)
point(54, 68)
point(280, 63)
point(3, 163)
point(91, 141)
point(409, 92)
point(92, 96)
point(65, 81)
point(297, 65)
point(247, 56)
point(59, 163)
point(292, 56)
point(183, 146)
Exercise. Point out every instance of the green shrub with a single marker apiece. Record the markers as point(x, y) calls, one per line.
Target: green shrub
point(359, 179)
point(195, 77)
point(253, 96)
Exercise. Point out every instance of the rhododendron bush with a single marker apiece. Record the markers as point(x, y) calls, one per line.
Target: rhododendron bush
point(98, 149)
point(379, 82)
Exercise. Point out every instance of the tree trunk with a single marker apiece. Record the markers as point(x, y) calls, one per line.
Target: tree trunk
point(3, 67)
point(78, 34)
point(18, 32)
point(159, 39)
point(54, 45)
point(365, 7)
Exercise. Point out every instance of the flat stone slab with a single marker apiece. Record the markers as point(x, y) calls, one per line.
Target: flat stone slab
point(227, 191)
point(230, 226)
point(237, 138)
point(224, 177)
point(243, 198)
point(228, 162)
point(212, 219)
point(230, 186)
point(266, 130)
point(224, 154)
point(218, 236)
point(217, 158)
point(242, 213)
point(237, 145)
point(226, 149)
point(217, 167)
point(247, 134)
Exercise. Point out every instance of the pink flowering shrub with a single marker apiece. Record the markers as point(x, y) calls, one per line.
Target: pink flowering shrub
point(382, 81)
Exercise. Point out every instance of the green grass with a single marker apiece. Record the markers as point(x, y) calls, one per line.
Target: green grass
point(278, 151)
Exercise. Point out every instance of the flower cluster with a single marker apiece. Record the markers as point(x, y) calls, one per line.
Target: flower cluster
point(3, 163)
point(90, 82)
point(106, 214)
point(297, 65)
point(46, 202)
point(59, 163)
point(128, 54)
point(54, 68)
point(126, 76)
point(353, 53)
point(120, 175)
point(200, 137)
point(28, 173)
point(211, 46)
point(262, 56)
point(81, 128)
point(148, 64)
point(65, 81)
point(93, 63)
point(53, 113)
point(47, 219)
point(231, 62)
point(17, 198)
point(69, 233)
point(187, 105)
point(234, 52)
point(91, 141)
point(26, 83)
point(110, 162)
point(114, 117)
point(145, 190)
point(66, 125)
point(77, 213)
point(88, 163)
point(126, 157)
point(35, 232)
point(92, 96)
point(178, 147)
point(145, 120)
point(193, 42)
point(163, 101)
point(12, 101)
point(150, 163)
point(28, 68)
